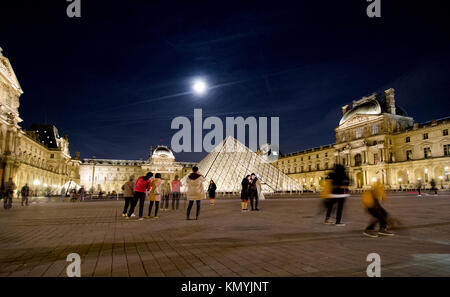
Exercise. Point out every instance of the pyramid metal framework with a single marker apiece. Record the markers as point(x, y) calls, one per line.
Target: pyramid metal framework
point(230, 161)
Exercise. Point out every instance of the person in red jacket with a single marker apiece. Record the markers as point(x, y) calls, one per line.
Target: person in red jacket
point(143, 184)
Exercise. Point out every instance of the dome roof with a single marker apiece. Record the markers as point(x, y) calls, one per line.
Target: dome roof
point(162, 151)
point(373, 105)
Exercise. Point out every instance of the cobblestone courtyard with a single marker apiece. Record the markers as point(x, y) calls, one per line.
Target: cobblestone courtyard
point(286, 238)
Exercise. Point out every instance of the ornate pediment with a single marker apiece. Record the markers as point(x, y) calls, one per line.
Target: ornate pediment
point(7, 72)
point(357, 119)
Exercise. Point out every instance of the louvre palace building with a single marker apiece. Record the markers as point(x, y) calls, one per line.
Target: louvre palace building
point(377, 140)
point(109, 175)
point(38, 157)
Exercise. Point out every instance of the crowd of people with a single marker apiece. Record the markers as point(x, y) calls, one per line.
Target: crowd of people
point(161, 194)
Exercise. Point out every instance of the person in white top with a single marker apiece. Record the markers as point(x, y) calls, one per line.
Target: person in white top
point(195, 191)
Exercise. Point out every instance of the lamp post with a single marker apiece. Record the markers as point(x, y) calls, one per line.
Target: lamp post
point(442, 181)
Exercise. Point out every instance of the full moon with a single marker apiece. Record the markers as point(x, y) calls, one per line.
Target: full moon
point(199, 87)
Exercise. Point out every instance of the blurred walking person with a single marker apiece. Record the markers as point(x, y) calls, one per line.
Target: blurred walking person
point(10, 187)
point(212, 192)
point(176, 186)
point(245, 183)
point(339, 192)
point(165, 196)
point(433, 187)
point(143, 184)
point(155, 195)
point(25, 192)
point(419, 186)
point(371, 201)
point(195, 191)
point(128, 193)
point(63, 194)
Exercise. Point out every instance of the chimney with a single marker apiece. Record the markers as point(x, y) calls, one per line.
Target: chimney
point(390, 100)
point(345, 108)
point(77, 155)
point(151, 151)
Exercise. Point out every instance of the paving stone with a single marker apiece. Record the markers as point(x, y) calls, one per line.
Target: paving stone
point(287, 238)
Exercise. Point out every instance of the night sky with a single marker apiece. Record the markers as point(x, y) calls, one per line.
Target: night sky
point(115, 78)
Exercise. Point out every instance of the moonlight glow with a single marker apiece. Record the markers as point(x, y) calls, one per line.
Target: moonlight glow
point(199, 87)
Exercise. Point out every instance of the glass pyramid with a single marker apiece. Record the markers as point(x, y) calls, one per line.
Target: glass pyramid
point(230, 161)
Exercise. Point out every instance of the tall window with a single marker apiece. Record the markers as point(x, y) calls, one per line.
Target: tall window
point(445, 132)
point(426, 152)
point(374, 129)
point(358, 160)
point(425, 135)
point(309, 167)
point(301, 169)
point(317, 166)
point(408, 139)
point(358, 132)
point(446, 149)
point(375, 158)
point(326, 165)
point(408, 155)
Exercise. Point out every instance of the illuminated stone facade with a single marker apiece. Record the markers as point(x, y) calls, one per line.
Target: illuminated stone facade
point(39, 157)
point(109, 175)
point(376, 139)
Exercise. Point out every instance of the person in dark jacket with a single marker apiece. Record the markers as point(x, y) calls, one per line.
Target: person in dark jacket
point(339, 182)
point(212, 192)
point(25, 192)
point(253, 192)
point(244, 193)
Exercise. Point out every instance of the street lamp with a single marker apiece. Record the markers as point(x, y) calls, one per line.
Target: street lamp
point(442, 181)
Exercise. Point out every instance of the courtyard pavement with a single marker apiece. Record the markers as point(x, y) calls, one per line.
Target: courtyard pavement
point(286, 238)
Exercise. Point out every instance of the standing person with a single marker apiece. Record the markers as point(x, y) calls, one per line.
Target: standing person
point(10, 187)
point(339, 182)
point(212, 192)
point(253, 192)
point(82, 193)
point(128, 193)
point(195, 191)
point(73, 195)
point(176, 186)
point(142, 185)
point(165, 195)
point(25, 192)
point(245, 183)
point(419, 186)
point(433, 186)
point(155, 195)
point(371, 202)
point(260, 194)
point(63, 194)
point(48, 193)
